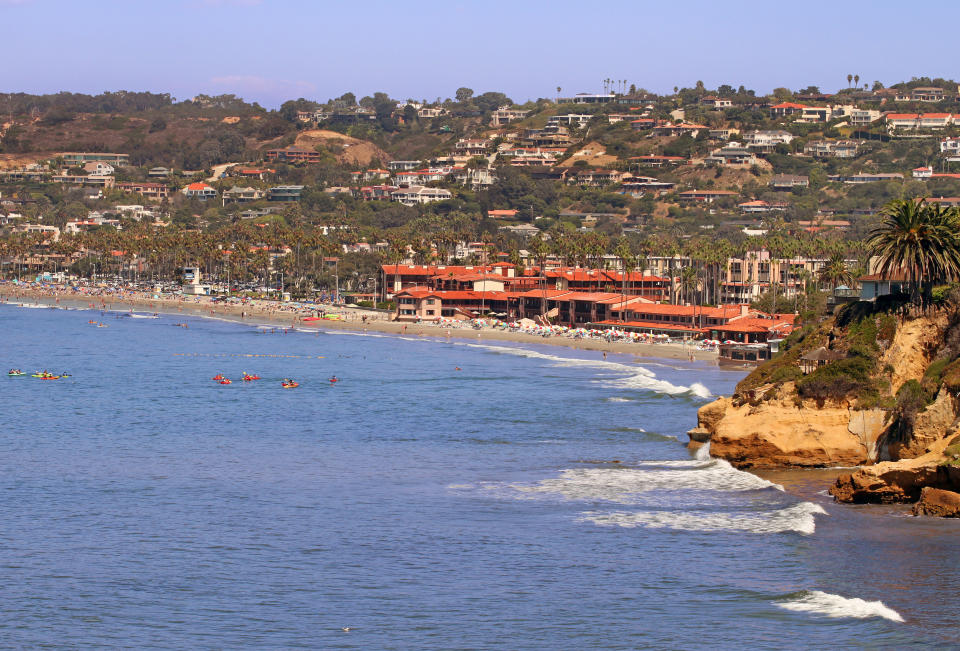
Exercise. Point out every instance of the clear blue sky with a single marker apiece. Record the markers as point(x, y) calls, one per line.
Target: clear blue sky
point(272, 50)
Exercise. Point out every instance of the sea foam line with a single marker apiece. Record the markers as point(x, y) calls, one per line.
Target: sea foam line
point(833, 605)
point(626, 485)
point(637, 377)
point(798, 518)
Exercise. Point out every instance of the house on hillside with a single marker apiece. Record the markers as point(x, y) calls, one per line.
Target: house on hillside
point(680, 129)
point(472, 147)
point(78, 159)
point(148, 190)
point(875, 285)
point(588, 98)
point(293, 155)
point(927, 94)
point(786, 109)
point(831, 148)
point(505, 115)
point(284, 193)
point(570, 120)
point(863, 177)
point(238, 194)
point(704, 196)
point(733, 154)
point(98, 168)
point(711, 101)
point(416, 194)
point(913, 121)
point(723, 134)
point(760, 206)
point(765, 140)
point(789, 181)
point(199, 190)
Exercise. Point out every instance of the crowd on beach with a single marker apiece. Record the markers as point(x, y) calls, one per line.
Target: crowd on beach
point(336, 315)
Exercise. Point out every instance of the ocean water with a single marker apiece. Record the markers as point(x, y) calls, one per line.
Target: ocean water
point(539, 498)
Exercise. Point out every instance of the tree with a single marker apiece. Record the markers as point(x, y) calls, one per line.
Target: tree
point(919, 241)
point(849, 80)
point(463, 94)
point(835, 272)
point(856, 80)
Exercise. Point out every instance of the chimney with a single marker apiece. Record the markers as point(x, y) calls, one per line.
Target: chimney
point(744, 309)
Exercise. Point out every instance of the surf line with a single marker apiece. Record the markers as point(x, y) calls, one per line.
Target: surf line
point(248, 355)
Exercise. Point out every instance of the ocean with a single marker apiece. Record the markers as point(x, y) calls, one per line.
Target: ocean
point(536, 498)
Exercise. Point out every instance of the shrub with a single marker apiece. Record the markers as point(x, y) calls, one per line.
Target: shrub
point(849, 377)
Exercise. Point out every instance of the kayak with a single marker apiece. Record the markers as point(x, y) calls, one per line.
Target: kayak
point(289, 385)
point(15, 374)
point(250, 378)
point(217, 377)
point(50, 377)
point(225, 381)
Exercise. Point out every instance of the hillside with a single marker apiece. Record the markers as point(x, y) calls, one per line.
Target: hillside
point(348, 150)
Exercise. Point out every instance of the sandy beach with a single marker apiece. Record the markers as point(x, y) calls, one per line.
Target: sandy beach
point(274, 313)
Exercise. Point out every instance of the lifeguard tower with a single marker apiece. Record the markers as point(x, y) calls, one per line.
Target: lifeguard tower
point(192, 284)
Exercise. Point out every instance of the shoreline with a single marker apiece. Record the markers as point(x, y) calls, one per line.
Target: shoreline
point(273, 314)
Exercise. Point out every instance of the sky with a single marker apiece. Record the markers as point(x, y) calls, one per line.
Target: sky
point(270, 51)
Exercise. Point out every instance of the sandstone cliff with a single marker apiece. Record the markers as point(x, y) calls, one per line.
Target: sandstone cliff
point(783, 431)
point(889, 403)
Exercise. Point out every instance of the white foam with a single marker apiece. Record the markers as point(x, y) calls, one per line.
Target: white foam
point(354, 334)
point(797, 518)
point(637, 377)
point(626, 485)
point(833, 605)
point(703, 453)
point(615, 399)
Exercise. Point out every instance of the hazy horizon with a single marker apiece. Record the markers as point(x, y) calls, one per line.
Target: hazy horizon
point(269, 51)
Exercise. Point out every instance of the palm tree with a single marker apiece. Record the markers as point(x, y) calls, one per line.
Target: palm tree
point(856, 80)
point(835, 272)
point(849, 80)
point(919, 240)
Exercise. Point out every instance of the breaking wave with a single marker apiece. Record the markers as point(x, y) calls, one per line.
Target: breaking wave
point(798, 518)
point(627, 485)
point(833, 605)
point(637, 377)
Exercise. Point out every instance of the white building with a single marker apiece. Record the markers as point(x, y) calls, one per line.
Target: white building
point(418, 194)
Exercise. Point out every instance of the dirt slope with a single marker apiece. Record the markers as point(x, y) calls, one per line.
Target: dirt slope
point(354, 151)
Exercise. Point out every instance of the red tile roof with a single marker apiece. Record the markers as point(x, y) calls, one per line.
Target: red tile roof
point(654, 325)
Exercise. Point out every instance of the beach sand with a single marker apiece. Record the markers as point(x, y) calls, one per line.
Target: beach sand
point(273, 313)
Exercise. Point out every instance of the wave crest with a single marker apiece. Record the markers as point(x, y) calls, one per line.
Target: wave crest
point(833, 605)
point(797, 518)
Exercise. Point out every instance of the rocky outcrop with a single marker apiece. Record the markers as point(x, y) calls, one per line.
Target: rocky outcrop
point(912, 347)
point(782, 431)
point(939, 503)
point(930, 426)
point(892, 482)
point(889, 482)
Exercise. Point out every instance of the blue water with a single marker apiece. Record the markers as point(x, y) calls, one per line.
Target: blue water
point(539, 498)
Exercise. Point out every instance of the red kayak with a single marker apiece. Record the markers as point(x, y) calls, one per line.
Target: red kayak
point(249, 378)
point(217, 377)
point(225, 381)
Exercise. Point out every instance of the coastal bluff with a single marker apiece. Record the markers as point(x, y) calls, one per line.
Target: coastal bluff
point(876, 387)
point(784, 432)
